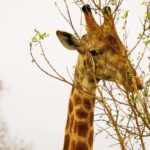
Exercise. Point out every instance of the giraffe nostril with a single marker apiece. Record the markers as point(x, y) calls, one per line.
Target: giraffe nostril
point(86, 8)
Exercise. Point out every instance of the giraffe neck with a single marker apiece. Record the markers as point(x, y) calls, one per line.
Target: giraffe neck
point(79, 128)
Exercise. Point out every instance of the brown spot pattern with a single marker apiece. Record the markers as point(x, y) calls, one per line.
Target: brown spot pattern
point(70, 106)
point(87, 104)
point(68, 121)
point(75, 127)
point(81, 146)
point(91, 79)
point(112, 41)
point(91, 118)
point(82, 128)
point(71, 123)
point(108, 76)
point(66, 142)
point(90, 139)
point(73, 145)
point(111, 38)
point(77, 100)
point(81, 114)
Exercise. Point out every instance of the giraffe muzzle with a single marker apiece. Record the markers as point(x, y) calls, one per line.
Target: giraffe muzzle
point(139, 83)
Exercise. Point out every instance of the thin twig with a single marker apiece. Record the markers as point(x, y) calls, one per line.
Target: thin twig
point(50, 75)
point(70, 20)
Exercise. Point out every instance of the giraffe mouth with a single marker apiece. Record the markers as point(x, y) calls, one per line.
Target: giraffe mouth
point(133, 86)
point(139, 83)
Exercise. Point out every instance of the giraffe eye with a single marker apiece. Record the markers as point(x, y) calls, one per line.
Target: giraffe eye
point(96, 52)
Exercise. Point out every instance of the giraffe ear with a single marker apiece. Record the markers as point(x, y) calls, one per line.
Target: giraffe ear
point(68, 40)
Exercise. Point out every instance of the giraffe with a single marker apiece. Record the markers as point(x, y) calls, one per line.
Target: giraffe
point(102, 56)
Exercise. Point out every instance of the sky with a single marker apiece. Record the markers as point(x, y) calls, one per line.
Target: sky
point(33, 105)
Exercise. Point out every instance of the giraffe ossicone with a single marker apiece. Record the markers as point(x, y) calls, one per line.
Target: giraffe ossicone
point(102, 56)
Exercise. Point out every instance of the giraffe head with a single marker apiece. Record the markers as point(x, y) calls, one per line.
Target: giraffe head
point(102, 52)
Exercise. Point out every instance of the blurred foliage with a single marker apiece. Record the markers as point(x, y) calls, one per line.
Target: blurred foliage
point(8, 143)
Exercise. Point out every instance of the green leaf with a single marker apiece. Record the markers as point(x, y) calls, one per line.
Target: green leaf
point(47, 35)
point(148, 15)
point(147, 42)
point(37, 32)
point(139, 36)
point(126, 14)
point(41, 36)
point(113, 2)
point(34, 39)
point(143, 2)
point(123, 28)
